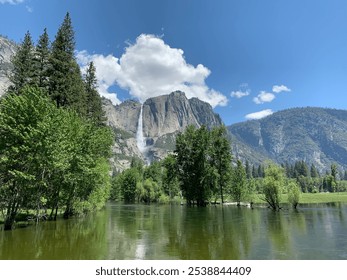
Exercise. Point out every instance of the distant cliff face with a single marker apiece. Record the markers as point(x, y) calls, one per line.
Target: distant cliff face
point(315, 135)
point(163, 117)
point(7, 50)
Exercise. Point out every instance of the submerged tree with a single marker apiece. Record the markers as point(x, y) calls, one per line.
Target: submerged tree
point(239, 181)
point(221, 156)
point(273, 185)
point(50, 156)
point(294, 193)
point(203, 163)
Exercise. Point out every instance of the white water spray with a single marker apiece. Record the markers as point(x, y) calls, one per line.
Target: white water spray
point(140, 139)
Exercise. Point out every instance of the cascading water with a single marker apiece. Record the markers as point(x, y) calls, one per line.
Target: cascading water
point(140, 139)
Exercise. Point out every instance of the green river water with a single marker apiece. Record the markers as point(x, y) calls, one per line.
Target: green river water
point(136, 231)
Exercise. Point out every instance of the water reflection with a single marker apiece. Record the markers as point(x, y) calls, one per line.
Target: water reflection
point(179, 232)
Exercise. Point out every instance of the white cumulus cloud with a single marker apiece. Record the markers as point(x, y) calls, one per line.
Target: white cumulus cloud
point(12, 2)
point(106, 67)
point(242, 92)
point(259, 115)
point(278, 89)
point(149, 68)
point(264, 97)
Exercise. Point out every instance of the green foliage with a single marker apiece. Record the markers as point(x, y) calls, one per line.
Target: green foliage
point(203, 161)
point(66, 86)
point(273, 185)
point(239, 180)
point(41, 61)
point(220, 150)
point(50, 157)
point(129, 188)
point(94, 105)
point(23, 65)
point(294, 194)
point(170, 178)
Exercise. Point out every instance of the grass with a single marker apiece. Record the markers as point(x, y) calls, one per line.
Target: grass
point(307, 198)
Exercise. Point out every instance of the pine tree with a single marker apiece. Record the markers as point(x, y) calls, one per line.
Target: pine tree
point(66, 86)
point(248, 170)
point(94, 105)
point(41, 61)
point(22, 61)
point(313, 171)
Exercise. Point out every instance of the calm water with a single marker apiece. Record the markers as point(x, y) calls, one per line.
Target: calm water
point(178, 232)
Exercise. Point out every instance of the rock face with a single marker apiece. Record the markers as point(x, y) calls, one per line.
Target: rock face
point(163, 117)
point(7, 49)
point(315, 135)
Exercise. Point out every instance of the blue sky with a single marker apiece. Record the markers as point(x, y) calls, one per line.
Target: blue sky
point(247, 58)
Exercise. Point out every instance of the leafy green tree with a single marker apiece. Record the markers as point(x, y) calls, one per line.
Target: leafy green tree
point(170, 178)
point(22, 148)
point(130, 178)
point(221, 156)
point(334, 175)
point(153, 172)
point(250, 191)
point(294, 194)
point(203, 162)
point(273, 186)
point(239, 181)
point(151, 191)
point(194, 171)
point(23, 65)
point(50, 157)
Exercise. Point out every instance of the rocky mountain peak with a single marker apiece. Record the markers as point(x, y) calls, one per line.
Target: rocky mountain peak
point(162, 118)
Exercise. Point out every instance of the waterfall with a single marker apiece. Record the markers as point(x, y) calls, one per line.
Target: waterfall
point(140, 139)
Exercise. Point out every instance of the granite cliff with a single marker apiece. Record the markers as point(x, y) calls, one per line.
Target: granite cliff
point(163, 117)
point(7, 49)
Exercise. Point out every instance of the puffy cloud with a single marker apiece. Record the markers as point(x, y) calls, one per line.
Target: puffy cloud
point(151, 68)
point(12, 2)
point(106, 67)
point(278, 89)
point(242, 92)
point(264, 97)
point(239, 93)
point(259, 115)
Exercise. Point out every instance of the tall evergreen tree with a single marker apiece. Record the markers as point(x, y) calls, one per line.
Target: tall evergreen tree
point(248, 170)
point(66, 86)
point(94, 105)
point(313, 171)
point(23, 66)
point(41, 61)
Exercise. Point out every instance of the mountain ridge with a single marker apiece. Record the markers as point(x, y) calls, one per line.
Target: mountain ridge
point(313, 134)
